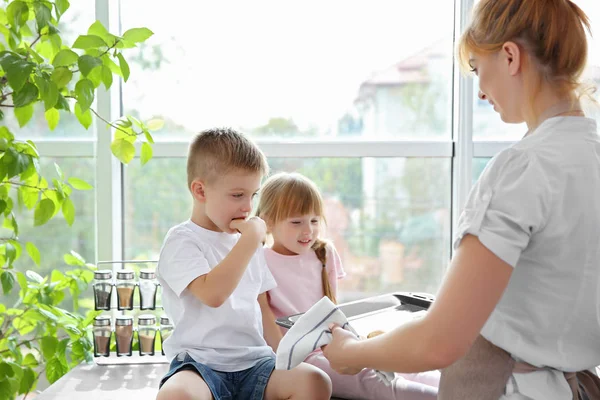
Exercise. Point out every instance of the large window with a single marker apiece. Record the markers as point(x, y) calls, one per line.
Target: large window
point(327, 73)
point(356, 95)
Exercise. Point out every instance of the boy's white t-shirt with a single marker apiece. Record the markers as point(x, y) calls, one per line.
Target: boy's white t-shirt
point(537, 207)
point(228, 338)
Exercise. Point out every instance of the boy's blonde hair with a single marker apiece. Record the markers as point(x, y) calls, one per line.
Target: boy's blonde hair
point(552, 33)
point(286, 195)
point(217, 151)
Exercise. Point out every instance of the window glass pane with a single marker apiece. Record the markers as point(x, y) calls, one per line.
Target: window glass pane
point(313, 69)
point(56, 237)
point(75, 22)
point(388, 217)
point(487, 124)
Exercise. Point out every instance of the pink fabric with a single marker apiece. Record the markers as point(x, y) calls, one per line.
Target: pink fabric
point(298, 280)
point(366, 385)
point(298, 289)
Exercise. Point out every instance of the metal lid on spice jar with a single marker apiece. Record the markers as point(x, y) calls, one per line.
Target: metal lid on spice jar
point(147, 319)
point(102, 320)
point(103, 274)
point(125, 274)
point(147, 274)
point(164, 320)
point(123, 320)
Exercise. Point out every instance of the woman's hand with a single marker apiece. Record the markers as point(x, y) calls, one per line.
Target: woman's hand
point(340, 352)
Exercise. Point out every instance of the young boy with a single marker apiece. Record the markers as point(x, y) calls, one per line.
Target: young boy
point(214, 279)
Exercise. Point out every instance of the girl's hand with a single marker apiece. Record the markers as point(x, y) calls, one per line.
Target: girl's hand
point(339, 352)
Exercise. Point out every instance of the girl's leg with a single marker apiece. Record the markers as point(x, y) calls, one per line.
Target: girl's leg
point(367, 386)
point(431, 378)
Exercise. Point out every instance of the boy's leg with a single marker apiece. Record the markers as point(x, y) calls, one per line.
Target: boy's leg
point(185, 385)
point(305, 382)
point(366, 385)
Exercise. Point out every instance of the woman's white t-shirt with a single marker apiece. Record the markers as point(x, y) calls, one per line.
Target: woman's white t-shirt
point(537, 207)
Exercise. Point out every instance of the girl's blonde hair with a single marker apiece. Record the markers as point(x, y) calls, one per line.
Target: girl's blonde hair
point(552, 33)
point(286, 195)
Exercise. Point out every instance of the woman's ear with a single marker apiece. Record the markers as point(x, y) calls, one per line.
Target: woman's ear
point(512, 57)
point(198, 189)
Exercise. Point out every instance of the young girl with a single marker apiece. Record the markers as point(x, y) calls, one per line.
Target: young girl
point(517, 316)
point(306, 268)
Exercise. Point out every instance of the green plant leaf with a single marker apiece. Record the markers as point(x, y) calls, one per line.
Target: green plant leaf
point(65, 58)
point(84, 118)
point(124, 66)
point(59, 172)
point(85, 42)
point(107, 77)
point(95, 76)
point(59, 189)
point(51, 96)
point(48, 345)
point(29, 195)
point(17, 73)
point(28, 94)
point(61, 76)
point(43, 212)
point(61, 7)
point(123, 150)
point(137, 35)
point(84, 91)
point(22, 283)
point(114, 68)
point(17, 13)
point(79, 184)
point(73, 258)
point(55, 369)
point(6, 389)
point(62, 103)
point(16, 162)
point(8, 281)
point(30, 361)
point(43, 15)
point(33, 252)
point(24, 114)
point(88, 63)
point(34, 276)
point(27, 381)
point(11, 252)
point(99, 30)
point(148, 136)
point(68, 210)
point(6, 370)
point(52, 116)
point(7, 58)
point(155, 124)
point(146, 153)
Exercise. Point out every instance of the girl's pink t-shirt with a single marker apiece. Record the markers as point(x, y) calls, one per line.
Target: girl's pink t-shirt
point(298, 279)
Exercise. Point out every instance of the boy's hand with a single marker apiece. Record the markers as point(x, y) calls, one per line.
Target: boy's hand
point(253, 227)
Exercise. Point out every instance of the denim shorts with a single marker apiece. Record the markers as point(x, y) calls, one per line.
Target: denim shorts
point(248, 384)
